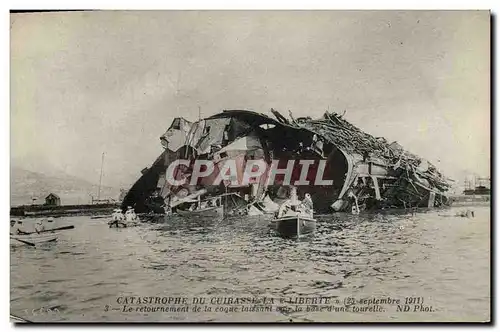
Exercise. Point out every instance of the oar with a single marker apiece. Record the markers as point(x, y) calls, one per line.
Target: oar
point(18, 319)
point(53, 229)
point(100, 217)
point(22, 241)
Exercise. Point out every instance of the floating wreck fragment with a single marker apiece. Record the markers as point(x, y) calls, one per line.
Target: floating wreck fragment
point(358, 171)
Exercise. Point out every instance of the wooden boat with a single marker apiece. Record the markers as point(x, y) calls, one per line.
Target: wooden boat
point(295, 219)
point(118, 219)
point(117, 224)
point(294, 226)
point(16, 319)
point(207, 212)
point(122, 223)
point(208, 208)
point(32, 240)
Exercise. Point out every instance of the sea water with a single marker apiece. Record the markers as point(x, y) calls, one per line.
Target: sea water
point(93, 272)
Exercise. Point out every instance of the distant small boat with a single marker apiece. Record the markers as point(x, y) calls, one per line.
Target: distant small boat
point(208, 208)
point(203, 212)
point(37, 238)
point(464, 214)
point(32, 240)
point(100, 217)
point(120, 220)
point(122, 223)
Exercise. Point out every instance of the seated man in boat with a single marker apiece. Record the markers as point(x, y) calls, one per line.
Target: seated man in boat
point(13, 227)
point(116, 218)
point(293, 206)
point(16, 229)
point(467, 213)
point(130, 214)
point(117, 215)
point(284, 209)
point(40, 226)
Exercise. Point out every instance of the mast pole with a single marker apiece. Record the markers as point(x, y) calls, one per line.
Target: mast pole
point(100, 178)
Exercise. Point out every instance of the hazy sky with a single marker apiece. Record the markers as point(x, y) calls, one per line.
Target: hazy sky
point(92, 82)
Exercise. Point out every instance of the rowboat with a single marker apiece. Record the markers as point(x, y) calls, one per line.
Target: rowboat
point(208, 208)
point(294, 226)
point(32, 240)
point(36, 238)
point(16, 319)
point(209, 212)
point(122, 223)
point(117, 224)
point(294, 218)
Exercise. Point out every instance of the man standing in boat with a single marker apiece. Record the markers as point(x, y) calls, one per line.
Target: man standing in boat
point(290, 205)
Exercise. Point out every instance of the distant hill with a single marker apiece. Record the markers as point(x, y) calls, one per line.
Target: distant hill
point(26, 184)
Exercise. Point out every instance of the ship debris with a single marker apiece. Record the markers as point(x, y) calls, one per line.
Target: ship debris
point(357, 171)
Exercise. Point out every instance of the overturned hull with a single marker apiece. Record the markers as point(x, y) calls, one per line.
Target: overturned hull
point(340, 166)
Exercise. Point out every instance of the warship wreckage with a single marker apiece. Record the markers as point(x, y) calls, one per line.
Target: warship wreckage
point(341, 167)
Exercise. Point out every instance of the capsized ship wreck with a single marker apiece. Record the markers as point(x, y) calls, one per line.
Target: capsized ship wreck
point(364, 172)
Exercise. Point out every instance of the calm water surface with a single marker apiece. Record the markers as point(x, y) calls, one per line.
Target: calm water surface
point(445, 260)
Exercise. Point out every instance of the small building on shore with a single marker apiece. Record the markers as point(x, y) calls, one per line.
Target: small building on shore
point(52, 200)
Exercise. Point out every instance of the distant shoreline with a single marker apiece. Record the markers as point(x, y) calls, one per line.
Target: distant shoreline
point(66, 210)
